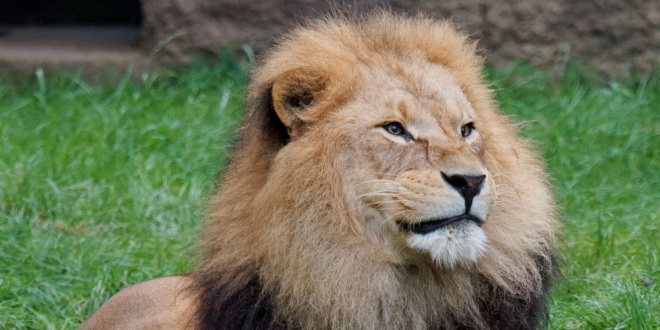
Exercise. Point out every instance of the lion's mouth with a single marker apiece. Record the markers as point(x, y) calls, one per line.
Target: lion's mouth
point(428, 226)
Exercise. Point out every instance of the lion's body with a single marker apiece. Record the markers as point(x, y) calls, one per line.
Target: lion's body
point(161, 303)
point(376, 186)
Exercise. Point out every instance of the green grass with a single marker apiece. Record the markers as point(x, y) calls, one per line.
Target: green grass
point(102, 185)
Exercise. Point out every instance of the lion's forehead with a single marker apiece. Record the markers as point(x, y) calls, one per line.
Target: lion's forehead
point(426, 93)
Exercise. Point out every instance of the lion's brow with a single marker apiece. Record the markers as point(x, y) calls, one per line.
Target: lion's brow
point(403, 109)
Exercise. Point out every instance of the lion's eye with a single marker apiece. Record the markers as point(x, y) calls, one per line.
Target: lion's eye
point(396, 128)
point(467, 129)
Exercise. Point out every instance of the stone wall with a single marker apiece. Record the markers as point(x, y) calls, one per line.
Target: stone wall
point(613, 37)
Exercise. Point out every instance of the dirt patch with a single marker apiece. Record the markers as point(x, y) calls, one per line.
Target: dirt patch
point(613, 37)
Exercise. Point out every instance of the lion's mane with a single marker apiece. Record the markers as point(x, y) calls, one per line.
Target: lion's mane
point(281, 249)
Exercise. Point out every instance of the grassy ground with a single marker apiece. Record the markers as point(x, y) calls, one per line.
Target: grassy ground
point(102, 186)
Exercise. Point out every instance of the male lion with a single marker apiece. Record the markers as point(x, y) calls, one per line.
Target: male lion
point(376, 186)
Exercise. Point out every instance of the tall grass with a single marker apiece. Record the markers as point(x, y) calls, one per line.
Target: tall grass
point(102, 185)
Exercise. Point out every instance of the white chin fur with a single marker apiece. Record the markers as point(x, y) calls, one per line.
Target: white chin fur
point(459, 243)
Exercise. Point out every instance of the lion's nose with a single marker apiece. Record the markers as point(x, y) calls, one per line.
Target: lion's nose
point(467, 185)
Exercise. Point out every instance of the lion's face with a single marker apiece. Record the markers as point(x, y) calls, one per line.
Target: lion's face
point(412, 163)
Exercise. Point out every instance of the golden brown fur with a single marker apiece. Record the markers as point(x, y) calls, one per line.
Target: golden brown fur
point(306, 229)
point(160, 303)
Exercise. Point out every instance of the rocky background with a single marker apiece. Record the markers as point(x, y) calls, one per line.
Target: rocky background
point(613, 37)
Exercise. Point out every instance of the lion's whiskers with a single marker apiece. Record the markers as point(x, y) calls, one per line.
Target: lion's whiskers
point(386, 201)
point(379, 193)
point(396, 183)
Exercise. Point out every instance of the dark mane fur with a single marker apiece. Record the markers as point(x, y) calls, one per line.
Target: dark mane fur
point(239, 302)
point(232, 302)
point(263, 119)
point(500, 310)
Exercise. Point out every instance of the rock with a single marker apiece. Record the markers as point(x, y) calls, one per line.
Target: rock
point(647, 281)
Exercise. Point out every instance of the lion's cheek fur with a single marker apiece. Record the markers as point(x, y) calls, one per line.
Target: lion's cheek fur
point(522, 221)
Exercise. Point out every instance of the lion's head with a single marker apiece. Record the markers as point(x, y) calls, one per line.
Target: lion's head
point(377, 184)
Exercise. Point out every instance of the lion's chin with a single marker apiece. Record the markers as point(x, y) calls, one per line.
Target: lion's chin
point(459, 243)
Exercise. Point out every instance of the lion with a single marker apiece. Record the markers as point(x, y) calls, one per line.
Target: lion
point(376, 185)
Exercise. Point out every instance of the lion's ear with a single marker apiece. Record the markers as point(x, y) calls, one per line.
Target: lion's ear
point(294, 94)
